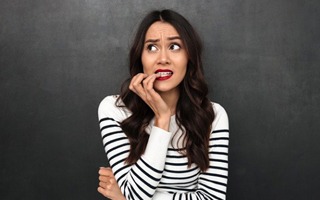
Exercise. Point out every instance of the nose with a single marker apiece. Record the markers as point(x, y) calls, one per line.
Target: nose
point(163, 58)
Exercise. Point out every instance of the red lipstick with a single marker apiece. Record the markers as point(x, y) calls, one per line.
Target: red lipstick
point(164, 74)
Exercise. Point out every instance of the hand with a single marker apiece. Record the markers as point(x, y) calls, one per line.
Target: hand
point(108, 185)
point(142, 85)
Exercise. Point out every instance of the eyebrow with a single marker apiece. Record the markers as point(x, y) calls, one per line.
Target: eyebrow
point(157, 40)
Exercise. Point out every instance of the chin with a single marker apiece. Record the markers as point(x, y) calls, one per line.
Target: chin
point(164, 88)
point(161, 89)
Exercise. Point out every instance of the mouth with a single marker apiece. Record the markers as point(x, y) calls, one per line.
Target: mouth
point(163, 74)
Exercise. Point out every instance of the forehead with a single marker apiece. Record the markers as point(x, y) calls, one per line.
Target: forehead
point(160, 29)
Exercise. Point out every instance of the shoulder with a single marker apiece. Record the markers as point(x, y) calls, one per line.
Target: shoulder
point(221, 120)
point(111, 108)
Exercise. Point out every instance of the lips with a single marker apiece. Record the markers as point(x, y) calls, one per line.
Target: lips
point(164, 74)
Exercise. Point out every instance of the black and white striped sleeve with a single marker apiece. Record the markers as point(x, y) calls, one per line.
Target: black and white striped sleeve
point(140, 180)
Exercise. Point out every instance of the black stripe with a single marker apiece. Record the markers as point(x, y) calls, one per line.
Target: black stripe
point(181, 171)
point(181, 178)
point(145, 173)
point(216, 175)
point(116, 147)
point(219, 153)
point(141, 179)
point(106, 119)
point(205, 196)
point(109, 126)
point(221, 168)
point(213, 189)
point(172, 156)
point(116, 163)
point(120, 169)
point(174, 195)
point(219, 131)
point(178, 189)
point(150, 167)
point(176, 164)
point(124, 182)
point(219, 138)
point(209, 194)
point(186, 184)
point(216, 182)
point(218, 160)
point(176, 150)
point(141, 189)
point(115, 140)
point(136, 194)
point(130, 192)
point(125, 185)
point(219, 145)
point(111, 133)
point(118, 154)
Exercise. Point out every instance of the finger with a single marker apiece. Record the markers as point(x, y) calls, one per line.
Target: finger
point(103, 184)
point(105, 172)
point(135, 84)
point(112, 181)
point(133, 79)
point(103, 191)
point(106, 168)
point(147, 80)
point(108, 180)
point(149, 83)
point(151, 94)
point(105, 178)
point(107, 186)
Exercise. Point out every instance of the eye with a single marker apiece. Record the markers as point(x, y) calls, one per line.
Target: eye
point(175, 47)
point(152, 47)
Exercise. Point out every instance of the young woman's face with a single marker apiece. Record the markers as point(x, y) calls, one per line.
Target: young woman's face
point(164, 53)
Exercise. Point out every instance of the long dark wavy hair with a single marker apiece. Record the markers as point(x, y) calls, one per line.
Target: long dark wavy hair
point(194, 113)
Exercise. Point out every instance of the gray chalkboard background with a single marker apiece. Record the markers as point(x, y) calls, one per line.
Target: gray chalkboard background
point(59, 58)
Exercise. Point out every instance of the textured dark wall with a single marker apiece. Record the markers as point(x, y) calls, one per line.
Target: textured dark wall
point(59, 59)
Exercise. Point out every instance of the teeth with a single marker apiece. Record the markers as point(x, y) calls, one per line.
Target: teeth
point(162, 74)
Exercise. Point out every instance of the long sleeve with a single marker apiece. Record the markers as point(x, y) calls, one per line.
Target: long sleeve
point(140, 180)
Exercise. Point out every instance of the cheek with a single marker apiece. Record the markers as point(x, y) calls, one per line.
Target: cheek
point(146, 64)
point(184, 72)
point(182, 62)
point(184, 68)
point(146, 69)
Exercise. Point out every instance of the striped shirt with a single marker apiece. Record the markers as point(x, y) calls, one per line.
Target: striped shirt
point(162, 172)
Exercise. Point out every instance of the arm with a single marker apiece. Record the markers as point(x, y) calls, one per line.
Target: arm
point(140, 180)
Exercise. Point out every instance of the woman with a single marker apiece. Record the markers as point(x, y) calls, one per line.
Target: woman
point(163, 138)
